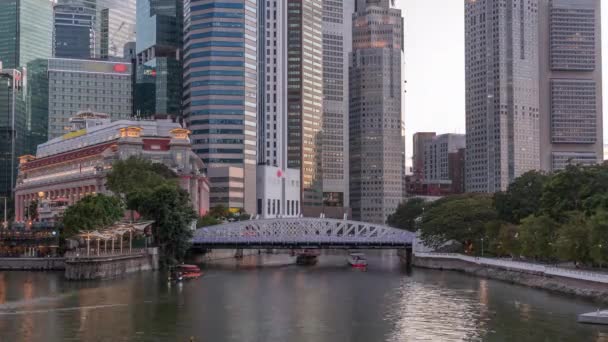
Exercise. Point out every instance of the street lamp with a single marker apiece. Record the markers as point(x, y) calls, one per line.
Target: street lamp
point(482, 247)
point(12, 75)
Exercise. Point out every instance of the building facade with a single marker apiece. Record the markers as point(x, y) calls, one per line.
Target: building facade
point(337, 46)
point(71, 86)
point(220, 93)
point(502, 95)
point(67, 168)
point(26, 31)
point(96, 29)
point(437, 155)
point(305, 99)
point(278, 186)
point(158, 88)
point(570, 83)
point(419, 140)
point(376, 128)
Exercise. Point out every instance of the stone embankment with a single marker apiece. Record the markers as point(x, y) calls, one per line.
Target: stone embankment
point(590, 285)
point(32, 264)
point(82, 267)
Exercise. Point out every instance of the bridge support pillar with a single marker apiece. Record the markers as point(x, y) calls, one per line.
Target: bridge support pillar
point(239, 253)
point(406, 256)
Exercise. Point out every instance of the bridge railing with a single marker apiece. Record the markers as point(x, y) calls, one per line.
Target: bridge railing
point(522, 266)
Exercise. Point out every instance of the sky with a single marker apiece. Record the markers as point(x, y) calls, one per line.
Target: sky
point(434, 67)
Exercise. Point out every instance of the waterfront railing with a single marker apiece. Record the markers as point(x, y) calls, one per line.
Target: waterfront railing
point(82, 253)
point(522, 266)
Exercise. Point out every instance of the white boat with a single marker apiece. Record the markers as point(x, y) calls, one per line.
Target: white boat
point(357, 260)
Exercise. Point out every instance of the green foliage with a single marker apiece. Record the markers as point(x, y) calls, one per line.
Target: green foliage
point(90, 213)
point(572, 241)
point(406, 214)
point(153, 191)
point(32, 210)
point(170, 208)
point(522, 198)
point(137, 174)
point(207, 221)
point(536, 237)
point(219, 212)
point(461, 218)
point(599, 237)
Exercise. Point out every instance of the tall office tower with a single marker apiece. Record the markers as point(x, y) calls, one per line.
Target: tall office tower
point(570, 83)
point(278, 186)
point(305, 99)
point(101, 27)
point(158, 87)
point(502, 104)
point(26, 31)
point(419, 141)
point(75, 34)
point(220, 94)
point(337, 45)
point(13, 128)
point(376, 130)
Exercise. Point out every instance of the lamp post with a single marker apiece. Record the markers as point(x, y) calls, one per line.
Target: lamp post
point(482, 247)
point(14, 75)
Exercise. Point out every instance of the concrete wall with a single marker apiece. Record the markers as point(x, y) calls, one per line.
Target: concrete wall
point(110, 267)
point(587, 289)
point(32, 264)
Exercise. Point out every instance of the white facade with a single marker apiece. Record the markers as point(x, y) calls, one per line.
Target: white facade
point(279, 195)
point(278, 187)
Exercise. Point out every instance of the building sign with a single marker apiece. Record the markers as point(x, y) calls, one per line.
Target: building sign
point(76, 65)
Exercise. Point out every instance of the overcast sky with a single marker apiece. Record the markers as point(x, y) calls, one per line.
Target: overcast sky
point(434, 67)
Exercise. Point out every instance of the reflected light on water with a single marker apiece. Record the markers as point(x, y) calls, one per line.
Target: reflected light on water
point(429, 313)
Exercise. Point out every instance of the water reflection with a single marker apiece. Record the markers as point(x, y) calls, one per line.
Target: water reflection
point(328, 302)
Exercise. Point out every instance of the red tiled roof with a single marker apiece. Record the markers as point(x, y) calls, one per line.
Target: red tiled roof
point(67, 156)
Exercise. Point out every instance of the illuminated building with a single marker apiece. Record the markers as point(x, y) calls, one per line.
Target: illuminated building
point(76, 164)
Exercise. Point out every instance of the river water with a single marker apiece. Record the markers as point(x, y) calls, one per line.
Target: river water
point(242, 301)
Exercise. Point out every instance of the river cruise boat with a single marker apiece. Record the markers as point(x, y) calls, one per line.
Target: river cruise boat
point(185, 272)
point(357, 260)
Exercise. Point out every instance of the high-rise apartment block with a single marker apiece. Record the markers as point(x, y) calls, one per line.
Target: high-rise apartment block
point(376, 129)
point(220, 95)
point(305, 98)
point(570, 83)
point(158, 88)
point(502, 95)
point(337, 46)
point(93, 28)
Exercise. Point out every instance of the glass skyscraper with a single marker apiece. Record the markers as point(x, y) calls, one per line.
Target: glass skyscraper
point(93, 28)
point(220, 95)
point(158, 88)
point(26, 31)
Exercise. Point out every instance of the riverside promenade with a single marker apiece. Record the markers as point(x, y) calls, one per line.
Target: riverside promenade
point(587, 284)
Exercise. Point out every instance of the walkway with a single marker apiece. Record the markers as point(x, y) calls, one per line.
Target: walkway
point(521, 266)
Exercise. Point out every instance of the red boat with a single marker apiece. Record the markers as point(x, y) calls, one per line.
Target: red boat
point(182, 272)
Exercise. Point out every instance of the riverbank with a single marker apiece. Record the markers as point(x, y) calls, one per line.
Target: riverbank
point(592, 286)
point(32, 264)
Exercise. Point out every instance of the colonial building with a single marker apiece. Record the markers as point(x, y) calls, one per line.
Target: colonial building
point(76, 164)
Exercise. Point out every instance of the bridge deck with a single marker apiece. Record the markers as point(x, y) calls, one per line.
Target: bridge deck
point(302, 232)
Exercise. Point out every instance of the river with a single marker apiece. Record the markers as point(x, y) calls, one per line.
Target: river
point(242, 301)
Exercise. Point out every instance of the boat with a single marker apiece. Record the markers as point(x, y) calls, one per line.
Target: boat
point(357, 260)
point(184, 272)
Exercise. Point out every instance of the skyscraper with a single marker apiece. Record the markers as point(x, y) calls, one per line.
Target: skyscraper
point(26, 31)
point(220, 95)
point(278, 186)
point(376, 129)
point(305, 99)
point(502, 97)
point(337, 46)
point(158, 87)
point(570, 83)
point(93, 28)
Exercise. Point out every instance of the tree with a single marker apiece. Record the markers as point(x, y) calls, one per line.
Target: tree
point(406, 214)
point(522, 198)
point(137, 174)
point(461, 218)
point(207, 220)
point(572, 243)
point(170, 208)
point(599, 237)
point(219, 212)
point(90, 213)
point(508, 242)
point(536, 237)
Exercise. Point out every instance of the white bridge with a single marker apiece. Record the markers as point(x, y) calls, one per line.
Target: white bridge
point(290, 233)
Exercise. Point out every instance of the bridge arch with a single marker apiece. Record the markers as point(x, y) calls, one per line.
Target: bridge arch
point(301, 233)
